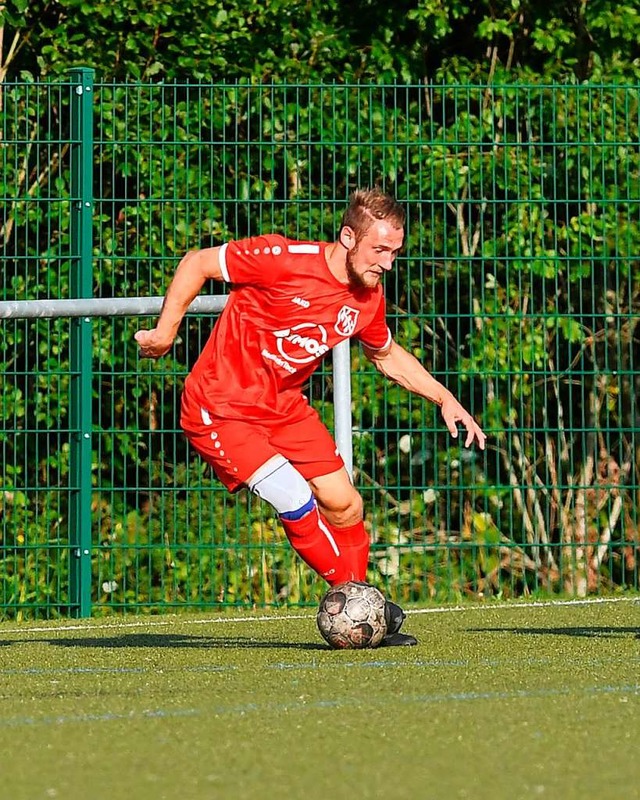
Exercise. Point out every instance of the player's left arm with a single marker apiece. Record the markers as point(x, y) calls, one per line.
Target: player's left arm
point(397, 364)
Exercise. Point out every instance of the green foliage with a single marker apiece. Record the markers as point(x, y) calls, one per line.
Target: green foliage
point(310, 41)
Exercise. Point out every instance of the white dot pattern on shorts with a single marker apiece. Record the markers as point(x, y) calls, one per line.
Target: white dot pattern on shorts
point(206, 418)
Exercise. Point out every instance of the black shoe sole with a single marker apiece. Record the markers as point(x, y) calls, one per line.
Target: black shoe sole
point(398, 640)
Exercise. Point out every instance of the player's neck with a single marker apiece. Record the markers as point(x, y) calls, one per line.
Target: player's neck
point(336, 258)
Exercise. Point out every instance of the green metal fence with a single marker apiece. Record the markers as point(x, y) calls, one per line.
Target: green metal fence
point(519, 288)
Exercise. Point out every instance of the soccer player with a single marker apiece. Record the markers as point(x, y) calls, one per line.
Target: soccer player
point(242, 407)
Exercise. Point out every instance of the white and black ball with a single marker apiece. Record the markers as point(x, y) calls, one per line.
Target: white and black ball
point(351, 616)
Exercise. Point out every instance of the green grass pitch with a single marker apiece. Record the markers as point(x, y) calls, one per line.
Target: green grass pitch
point(519, 701)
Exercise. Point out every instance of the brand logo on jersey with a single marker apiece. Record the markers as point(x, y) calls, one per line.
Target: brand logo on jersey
point(285, 365)
point(300, 301)
point(346, 322)
point(302, 343)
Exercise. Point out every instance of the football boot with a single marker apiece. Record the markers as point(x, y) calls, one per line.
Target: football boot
point(395, 616)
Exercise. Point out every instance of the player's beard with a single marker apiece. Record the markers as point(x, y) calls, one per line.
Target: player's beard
point(356, 280)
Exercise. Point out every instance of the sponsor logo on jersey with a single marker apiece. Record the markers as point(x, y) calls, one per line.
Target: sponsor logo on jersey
point(346, 322)
point(302, 343)
point(279, 361)
point(300, 301)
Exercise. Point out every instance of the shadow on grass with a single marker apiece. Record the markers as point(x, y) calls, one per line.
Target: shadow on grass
point(172, 640)
point(589, 631)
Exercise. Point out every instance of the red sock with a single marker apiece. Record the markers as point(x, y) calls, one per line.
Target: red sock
point(336, 554)
point(353, 543)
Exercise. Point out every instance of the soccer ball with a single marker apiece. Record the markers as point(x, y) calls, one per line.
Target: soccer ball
point(352, 616)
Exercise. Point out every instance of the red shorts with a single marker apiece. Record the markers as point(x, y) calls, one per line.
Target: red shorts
point(235, 449)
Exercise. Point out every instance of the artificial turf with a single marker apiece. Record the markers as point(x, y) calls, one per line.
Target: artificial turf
point(521, 701)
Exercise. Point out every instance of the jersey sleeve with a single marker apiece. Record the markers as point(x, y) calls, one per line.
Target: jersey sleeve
point(377, 336)
point(257, 261)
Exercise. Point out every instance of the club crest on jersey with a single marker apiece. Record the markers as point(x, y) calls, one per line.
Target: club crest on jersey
point(346, 322)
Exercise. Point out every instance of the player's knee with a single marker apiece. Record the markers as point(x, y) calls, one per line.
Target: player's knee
point(279, 483)
point(345, 510)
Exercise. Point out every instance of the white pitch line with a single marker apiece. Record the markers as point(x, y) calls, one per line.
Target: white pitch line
point(524, 606)
point(116, 625)
point(156, 623)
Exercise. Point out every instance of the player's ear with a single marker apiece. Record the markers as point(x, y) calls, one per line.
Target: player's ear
point(347, 237)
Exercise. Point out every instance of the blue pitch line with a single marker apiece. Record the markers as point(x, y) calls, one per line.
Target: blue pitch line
point(377, 664)
point(316, 665)
point(441, 663)
point(73, 671)
point(108, 717)
point(241, 710)
point(111, 670)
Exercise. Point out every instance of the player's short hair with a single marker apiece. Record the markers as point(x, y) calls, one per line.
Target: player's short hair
point(367, 205)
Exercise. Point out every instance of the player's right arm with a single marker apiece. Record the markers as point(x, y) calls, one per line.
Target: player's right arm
point(194, 270)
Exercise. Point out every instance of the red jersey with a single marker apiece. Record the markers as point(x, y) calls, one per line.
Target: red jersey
point(285, 312)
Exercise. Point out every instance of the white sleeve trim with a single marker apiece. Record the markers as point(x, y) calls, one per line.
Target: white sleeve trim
point(385, 345)
point(222, 256)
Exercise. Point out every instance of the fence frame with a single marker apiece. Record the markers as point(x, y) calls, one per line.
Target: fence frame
point(524, 520)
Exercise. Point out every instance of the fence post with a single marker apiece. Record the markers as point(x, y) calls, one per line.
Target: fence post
point(81, 286)
point(342, 402)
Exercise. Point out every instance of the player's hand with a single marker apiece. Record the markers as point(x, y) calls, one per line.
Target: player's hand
point(453, 414)
point(152, 343)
